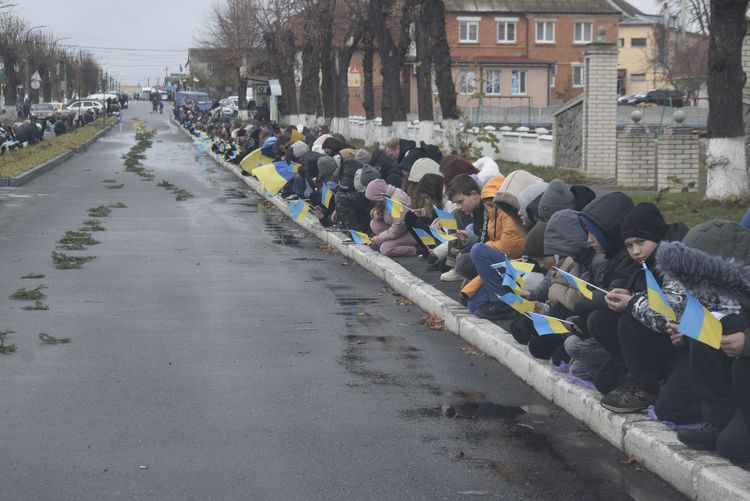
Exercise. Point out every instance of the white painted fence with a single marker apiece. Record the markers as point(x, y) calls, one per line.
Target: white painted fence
point(522, 145)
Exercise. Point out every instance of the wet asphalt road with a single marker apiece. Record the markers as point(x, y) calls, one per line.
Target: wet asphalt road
point(217, 353)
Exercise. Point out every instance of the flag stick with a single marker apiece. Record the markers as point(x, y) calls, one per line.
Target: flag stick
point(582, 280)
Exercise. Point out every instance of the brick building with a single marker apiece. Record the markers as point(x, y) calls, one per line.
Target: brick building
point(513, 50)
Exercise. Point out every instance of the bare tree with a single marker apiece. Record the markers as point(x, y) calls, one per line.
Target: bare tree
point(725, 151)
point(233, 30)
point(276, 18)
point(694, 15)
point(680, 58)
point(12, 30)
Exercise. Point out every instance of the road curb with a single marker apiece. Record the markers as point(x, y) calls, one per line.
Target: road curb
point(698, 475)
point(27, 176)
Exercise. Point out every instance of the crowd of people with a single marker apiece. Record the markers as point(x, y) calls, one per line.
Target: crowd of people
point(593, 256)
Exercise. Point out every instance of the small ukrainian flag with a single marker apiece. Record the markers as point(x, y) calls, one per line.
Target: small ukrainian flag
point(447, 220)
point(698, 323)
point(442, 237)
point(425, 237)
point(516, 302)
point(360, 238)
point(581, 285)
point(298, 209)
point(395, 207)
point(271, 178)
point(253, 160)
point(656, 299)
point(545, 325)
point(326, 195)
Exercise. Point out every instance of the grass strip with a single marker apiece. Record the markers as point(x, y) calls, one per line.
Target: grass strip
point(76, 240)
point(22, 160)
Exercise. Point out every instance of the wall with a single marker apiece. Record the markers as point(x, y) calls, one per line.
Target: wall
point(567, 130)
point(521, 145)
point(536, 87)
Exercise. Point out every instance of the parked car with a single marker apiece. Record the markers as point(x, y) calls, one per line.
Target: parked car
point(659, 97)
point(83, 105)
point(43, 111)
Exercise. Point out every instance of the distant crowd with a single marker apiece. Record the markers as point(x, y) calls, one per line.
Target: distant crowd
point(651, 314)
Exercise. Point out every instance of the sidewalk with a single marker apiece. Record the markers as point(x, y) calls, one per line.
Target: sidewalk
point(698, 475)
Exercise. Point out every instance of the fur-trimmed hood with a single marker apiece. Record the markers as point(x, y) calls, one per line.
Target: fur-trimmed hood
point(701, 272)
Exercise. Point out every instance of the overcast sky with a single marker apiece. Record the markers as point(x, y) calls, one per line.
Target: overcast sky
point(165, 28)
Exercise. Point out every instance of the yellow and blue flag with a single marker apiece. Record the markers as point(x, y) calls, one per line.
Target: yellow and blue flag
point(360, 238)
point(656, 299)
point(521, 267)
point(425, 237)
point(272, 178)
point(545, 325)
point(326, 194)
point(442, 237)
point(298, 209)
point(510, 277)
point(395, 207)
point(698, 323)
point(253, 160)
point(581, 285)
point(516, 302)
point(447, 220)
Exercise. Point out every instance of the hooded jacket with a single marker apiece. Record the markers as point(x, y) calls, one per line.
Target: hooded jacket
point(714, 267)
point(499, 232)
point(388, 168)
point(565, 237)
point(487, 168)
point(349, 168)
point(603, 217)
point(376, 191)
point(506, 198)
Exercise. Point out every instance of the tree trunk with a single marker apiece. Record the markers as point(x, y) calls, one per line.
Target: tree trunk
point(442, 59)
point(368, 93)
point(391, 59)
point(725, 152)
point(328, 68)
point(11, 97)
point(241, 89)
point(424, 64)
point(310, 87)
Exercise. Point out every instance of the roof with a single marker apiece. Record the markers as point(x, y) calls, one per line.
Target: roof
point(533, 6)
point(633, 16)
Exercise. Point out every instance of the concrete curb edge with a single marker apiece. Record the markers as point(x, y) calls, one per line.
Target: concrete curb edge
point(27, 176)
point(698, 475)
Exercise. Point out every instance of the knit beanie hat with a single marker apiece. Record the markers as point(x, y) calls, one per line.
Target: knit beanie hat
point(534, 245)
point(746, 220)
point(326, 166)
point(363, 177)
point(299, 148)
point(514, 184)
point(557, 197)
point(644, 221)
point(421, 167)
point(488, 169)
point(363, 156)
point(528, 194)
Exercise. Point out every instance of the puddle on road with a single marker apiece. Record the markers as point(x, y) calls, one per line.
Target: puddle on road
point(281, 235)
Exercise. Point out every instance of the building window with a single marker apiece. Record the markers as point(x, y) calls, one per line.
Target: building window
point(638, 77)
point(506, 30)
point(467, 84)
point(545, 32)
point(582, 32)
point(621, 42)
point(553, 75)
point(468, 29)
point(576, 74)
point(518, 82)
point(637, 42)
point(492, 82)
